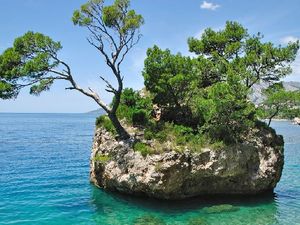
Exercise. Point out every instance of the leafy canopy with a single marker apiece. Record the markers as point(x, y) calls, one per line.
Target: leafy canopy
point(169, 76)
point(116, 16)
point(210, 92)
point(28, 63)
point(233, 48)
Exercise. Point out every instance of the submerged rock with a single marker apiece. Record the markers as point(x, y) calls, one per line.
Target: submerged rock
point(220, 208)
point(251, 167)
point(149, 220)
point(197, 221)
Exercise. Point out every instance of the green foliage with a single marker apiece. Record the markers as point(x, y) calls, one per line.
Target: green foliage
point(289, 113)
point(130, 97)
point(43, 85)
point(134, 108)
point(234, 49)
point(171, 80)
point(280, 102)
point(266, 62)
point(28, 62)
point(125, 112)
point(133, 99)
point(148, 134)
point(117, 16)
point(139, 117)
point(143, 148)
point(180, 136)
point(169, 77)
point(209, 92)
point(225, 43)
point(105, 122)
point(227, 114)
point(102, 158)
point(8, 90)
point(156, 131)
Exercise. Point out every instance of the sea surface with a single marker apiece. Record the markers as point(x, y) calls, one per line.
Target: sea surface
point(44, 179)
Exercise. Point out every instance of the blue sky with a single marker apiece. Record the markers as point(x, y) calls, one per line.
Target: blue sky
point(168, 23)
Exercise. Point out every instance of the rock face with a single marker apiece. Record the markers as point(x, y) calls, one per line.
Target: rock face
point(250, 168)
point(296, 121)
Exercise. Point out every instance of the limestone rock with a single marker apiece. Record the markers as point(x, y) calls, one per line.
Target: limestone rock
point(251, 167)
point(220, 209)
point(296, 121)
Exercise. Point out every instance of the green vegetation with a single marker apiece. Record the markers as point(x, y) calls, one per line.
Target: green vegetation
point(143, 148)
point(133, 108)
point(208, 93)
point(279, 102)
point(101, 158)
point(180, 136)
point(105, 122)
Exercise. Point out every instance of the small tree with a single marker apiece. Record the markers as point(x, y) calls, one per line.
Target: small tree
point(33, 60)
point(278, 100)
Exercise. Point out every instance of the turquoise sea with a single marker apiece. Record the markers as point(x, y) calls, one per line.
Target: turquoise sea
point(44, 179)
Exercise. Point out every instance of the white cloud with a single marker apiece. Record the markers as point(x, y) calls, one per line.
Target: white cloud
point(289, 39)
point(209, 5)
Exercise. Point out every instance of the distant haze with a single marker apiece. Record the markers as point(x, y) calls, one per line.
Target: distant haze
point(257, 97)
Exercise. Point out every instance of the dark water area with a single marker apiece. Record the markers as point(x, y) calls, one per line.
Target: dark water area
point(44, 179)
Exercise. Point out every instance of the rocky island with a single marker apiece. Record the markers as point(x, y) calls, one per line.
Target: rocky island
point(252, 167)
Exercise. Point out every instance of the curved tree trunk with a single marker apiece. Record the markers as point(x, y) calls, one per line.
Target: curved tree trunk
point(123, 134)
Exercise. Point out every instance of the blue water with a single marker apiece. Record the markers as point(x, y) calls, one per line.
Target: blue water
point(44, 179)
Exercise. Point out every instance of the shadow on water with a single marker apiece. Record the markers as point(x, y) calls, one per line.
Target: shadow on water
point(100, 198)
point(116, 208)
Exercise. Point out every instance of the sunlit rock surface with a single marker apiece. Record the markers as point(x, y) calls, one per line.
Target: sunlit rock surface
point(252, 167)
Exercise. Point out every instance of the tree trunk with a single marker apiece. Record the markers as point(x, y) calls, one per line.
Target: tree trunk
point(123, 134)
point(270, 119)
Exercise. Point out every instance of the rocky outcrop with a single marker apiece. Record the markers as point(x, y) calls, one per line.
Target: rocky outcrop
point(296, 121)
point(252, 167)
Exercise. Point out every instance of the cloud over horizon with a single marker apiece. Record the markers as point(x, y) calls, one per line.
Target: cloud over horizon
point(209, 5)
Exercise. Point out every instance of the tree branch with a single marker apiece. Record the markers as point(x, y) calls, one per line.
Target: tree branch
point(110, 88)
